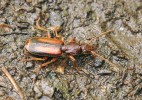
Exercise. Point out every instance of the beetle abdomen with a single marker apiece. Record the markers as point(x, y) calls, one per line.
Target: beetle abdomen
point(44, 48)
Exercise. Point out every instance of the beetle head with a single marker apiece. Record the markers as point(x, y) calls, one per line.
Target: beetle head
point(87, 48)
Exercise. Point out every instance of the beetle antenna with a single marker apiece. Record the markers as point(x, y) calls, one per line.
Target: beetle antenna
point(114, 67)
point(104, 33)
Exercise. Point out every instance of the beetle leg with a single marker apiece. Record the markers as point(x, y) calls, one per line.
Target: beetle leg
point(74, 63)
point(55, 29)
point(45, 64)
point(38, 25)
point(41, 28)
point(34, 58)
point(36, 70)
point(114, 67)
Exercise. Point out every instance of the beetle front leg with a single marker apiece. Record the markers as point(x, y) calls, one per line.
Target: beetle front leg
point(36, 70)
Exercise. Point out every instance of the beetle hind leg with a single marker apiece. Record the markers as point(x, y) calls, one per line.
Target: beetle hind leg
point(39, 27)
point(55, 30)
point(36, 70)
point(34, 59)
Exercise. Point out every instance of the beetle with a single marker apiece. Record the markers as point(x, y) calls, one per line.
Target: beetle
point(53, 47)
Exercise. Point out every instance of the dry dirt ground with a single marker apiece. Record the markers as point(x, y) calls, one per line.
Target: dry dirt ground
point(82, 19)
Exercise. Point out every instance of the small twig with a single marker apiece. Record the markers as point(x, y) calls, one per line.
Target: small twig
point(14, 83)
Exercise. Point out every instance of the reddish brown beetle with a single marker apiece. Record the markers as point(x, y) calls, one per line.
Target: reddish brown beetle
point(52, 47)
